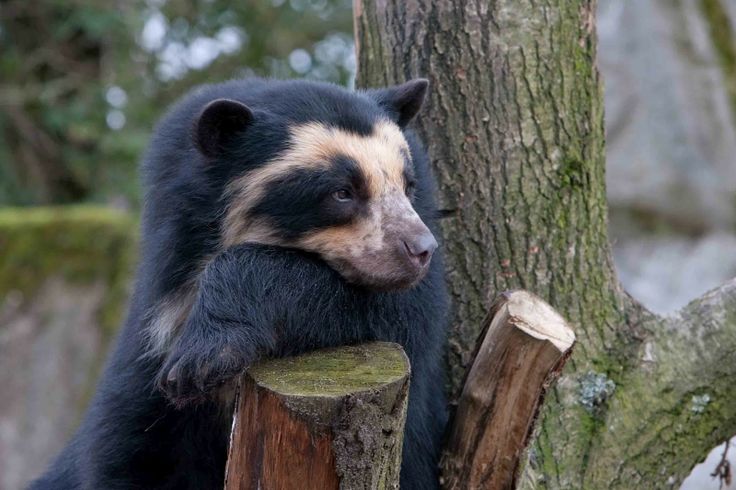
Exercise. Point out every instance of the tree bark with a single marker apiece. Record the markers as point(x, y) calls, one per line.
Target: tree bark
point(514, 126)
point(521, 352)
point(325, 420)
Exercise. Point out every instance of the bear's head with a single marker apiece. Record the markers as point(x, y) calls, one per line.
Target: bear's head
point(323, 170)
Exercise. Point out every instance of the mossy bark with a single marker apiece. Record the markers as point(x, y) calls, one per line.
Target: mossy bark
point(514, 126)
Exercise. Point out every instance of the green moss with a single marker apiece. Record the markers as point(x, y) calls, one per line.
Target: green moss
point(572, 172)
point(334, 372)
point(81, 244)
point(721, 34)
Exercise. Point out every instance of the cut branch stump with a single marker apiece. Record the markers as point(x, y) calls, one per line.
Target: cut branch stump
point(520, 352)
point(325, 420)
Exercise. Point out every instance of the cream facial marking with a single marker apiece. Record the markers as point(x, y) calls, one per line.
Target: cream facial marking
point(374, 257)
point(381, 157)
point(167, 317)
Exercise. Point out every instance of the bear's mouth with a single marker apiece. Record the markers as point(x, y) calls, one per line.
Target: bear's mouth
point(393, 268)
point(388, 249)
point(375, 282)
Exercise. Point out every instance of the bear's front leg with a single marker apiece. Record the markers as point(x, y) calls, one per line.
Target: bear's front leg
point(254, 301)
point(205, 356)
point(226, 330)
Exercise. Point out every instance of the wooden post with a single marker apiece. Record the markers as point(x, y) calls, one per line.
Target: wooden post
point(520, 352)
point(325, 420)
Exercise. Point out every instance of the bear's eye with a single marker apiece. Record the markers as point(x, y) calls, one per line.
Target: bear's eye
point(343, 195)
point(410, 187)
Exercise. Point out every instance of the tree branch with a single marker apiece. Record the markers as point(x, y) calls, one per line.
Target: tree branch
point(678, 400)
point(521, 351)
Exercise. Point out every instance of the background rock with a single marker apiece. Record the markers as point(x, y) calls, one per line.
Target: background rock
point(671, 138)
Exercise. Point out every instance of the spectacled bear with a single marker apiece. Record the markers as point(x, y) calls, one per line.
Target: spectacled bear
point(279, 217)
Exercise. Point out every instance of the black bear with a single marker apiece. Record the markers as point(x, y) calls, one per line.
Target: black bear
point(279, 217)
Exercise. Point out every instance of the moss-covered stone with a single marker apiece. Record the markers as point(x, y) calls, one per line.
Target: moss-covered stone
point(80, 244)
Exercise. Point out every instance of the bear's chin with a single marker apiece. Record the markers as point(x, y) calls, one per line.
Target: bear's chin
point(391, 279)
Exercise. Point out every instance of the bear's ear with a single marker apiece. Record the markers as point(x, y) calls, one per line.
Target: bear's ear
point(219, 122)
point(403, 101)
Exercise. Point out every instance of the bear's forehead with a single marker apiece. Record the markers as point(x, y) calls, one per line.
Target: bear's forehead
point(381, 155)
point(304, 102)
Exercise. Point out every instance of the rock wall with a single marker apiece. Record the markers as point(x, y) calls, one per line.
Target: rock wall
point(670, 92)
point(64, 277)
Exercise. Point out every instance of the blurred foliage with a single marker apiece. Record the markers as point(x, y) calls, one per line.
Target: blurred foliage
point(82, 82)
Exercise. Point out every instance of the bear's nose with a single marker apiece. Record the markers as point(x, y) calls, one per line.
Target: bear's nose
point(420, 248)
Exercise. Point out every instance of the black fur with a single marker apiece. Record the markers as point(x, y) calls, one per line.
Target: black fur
point(252, 301)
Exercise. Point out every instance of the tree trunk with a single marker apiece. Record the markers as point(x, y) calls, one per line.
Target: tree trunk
point(325, 420)
point(514, 126)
